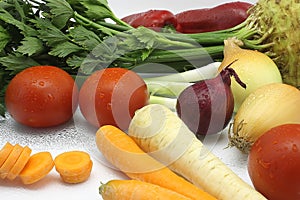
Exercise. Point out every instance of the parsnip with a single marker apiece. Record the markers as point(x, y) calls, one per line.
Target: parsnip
point(161, 133)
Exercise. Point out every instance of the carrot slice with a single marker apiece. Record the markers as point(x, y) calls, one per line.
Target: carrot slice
point(10, 161)
point(37, 167)
point(4, 153)
point(77, 178)
point(20, 163)
point(73, 166)
point(137, 190)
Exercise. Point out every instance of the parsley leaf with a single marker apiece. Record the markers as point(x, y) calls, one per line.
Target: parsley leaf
point(64, 49)
point(5, 38)
point(49, 33)
point(26, 30)
point(61, 11)
point(84, 37)
point(17, 62)
point(31, 46)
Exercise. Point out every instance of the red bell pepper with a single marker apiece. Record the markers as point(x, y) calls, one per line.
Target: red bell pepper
point(221, 17)
point(154, 19)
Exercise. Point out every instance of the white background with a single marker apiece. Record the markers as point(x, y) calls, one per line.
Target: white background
point(79, 136)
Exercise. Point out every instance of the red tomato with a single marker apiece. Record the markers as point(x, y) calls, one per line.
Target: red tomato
point(111, 96)
point(274, 163)
point(42, 96)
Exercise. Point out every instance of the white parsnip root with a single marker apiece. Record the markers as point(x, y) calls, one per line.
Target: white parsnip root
point(161, 133)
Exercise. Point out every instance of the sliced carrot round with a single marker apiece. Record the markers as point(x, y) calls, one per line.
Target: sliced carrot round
point(20, 163)
point(73, 166)
point(4, 153)
point(37, 167)
point(79, 178)
point(10, 161)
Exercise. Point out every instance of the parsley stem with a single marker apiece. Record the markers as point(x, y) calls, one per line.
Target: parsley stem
point(89, 23)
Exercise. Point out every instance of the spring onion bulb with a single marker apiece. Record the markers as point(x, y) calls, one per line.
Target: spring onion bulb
point(254, 68)
point(268, 106)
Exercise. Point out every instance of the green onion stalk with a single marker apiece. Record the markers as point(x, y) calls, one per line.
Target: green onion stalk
point(81, 36)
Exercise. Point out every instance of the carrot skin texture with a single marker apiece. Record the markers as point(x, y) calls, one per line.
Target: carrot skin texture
point(120, 150)
point(220, 17)
point(137, 190)
point(157, 129)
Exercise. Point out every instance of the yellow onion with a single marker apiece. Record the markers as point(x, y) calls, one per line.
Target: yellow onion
point(254, 68)
point(269, 106)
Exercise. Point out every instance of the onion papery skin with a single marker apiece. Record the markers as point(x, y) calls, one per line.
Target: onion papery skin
point(254, 68)
point(269, 106)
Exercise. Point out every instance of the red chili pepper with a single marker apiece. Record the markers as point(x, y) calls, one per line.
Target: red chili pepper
point(154, 19)
point(212, 19)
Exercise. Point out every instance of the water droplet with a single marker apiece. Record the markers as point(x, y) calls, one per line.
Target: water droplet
point(50, 97)
point(108, 106)
point(101, 95)
point(259, 149)
point(294, 148)
point(275, 142)
point(41, 83)
point(264, 164)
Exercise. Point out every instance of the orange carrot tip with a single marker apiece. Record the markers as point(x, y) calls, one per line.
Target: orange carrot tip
point(73, 166)
point(37, 167)
point(137, 190)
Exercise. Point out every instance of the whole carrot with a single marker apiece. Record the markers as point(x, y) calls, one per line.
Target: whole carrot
point(220, 17)
point(136, 190)
point(120, 150)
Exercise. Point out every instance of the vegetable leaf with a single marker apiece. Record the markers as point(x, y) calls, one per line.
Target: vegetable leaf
point(64, 49)
point(49, 33)
point(94, 9)
point(30, 46)
point(9, 19)
point(61, 11)
point(84, 37)
point(76, 60)
point(102, 55)
point(5, 38)
point(17, 62)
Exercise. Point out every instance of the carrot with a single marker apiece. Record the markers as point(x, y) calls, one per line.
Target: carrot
point(73, 166)
point(120, 150)
point(4, 153)
point(157, 129)
point(37, 167)
point(10, 161)
point(20, 163)
point(136, 190)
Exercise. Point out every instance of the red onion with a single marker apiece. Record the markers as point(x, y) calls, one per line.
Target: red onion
point(207, 106)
